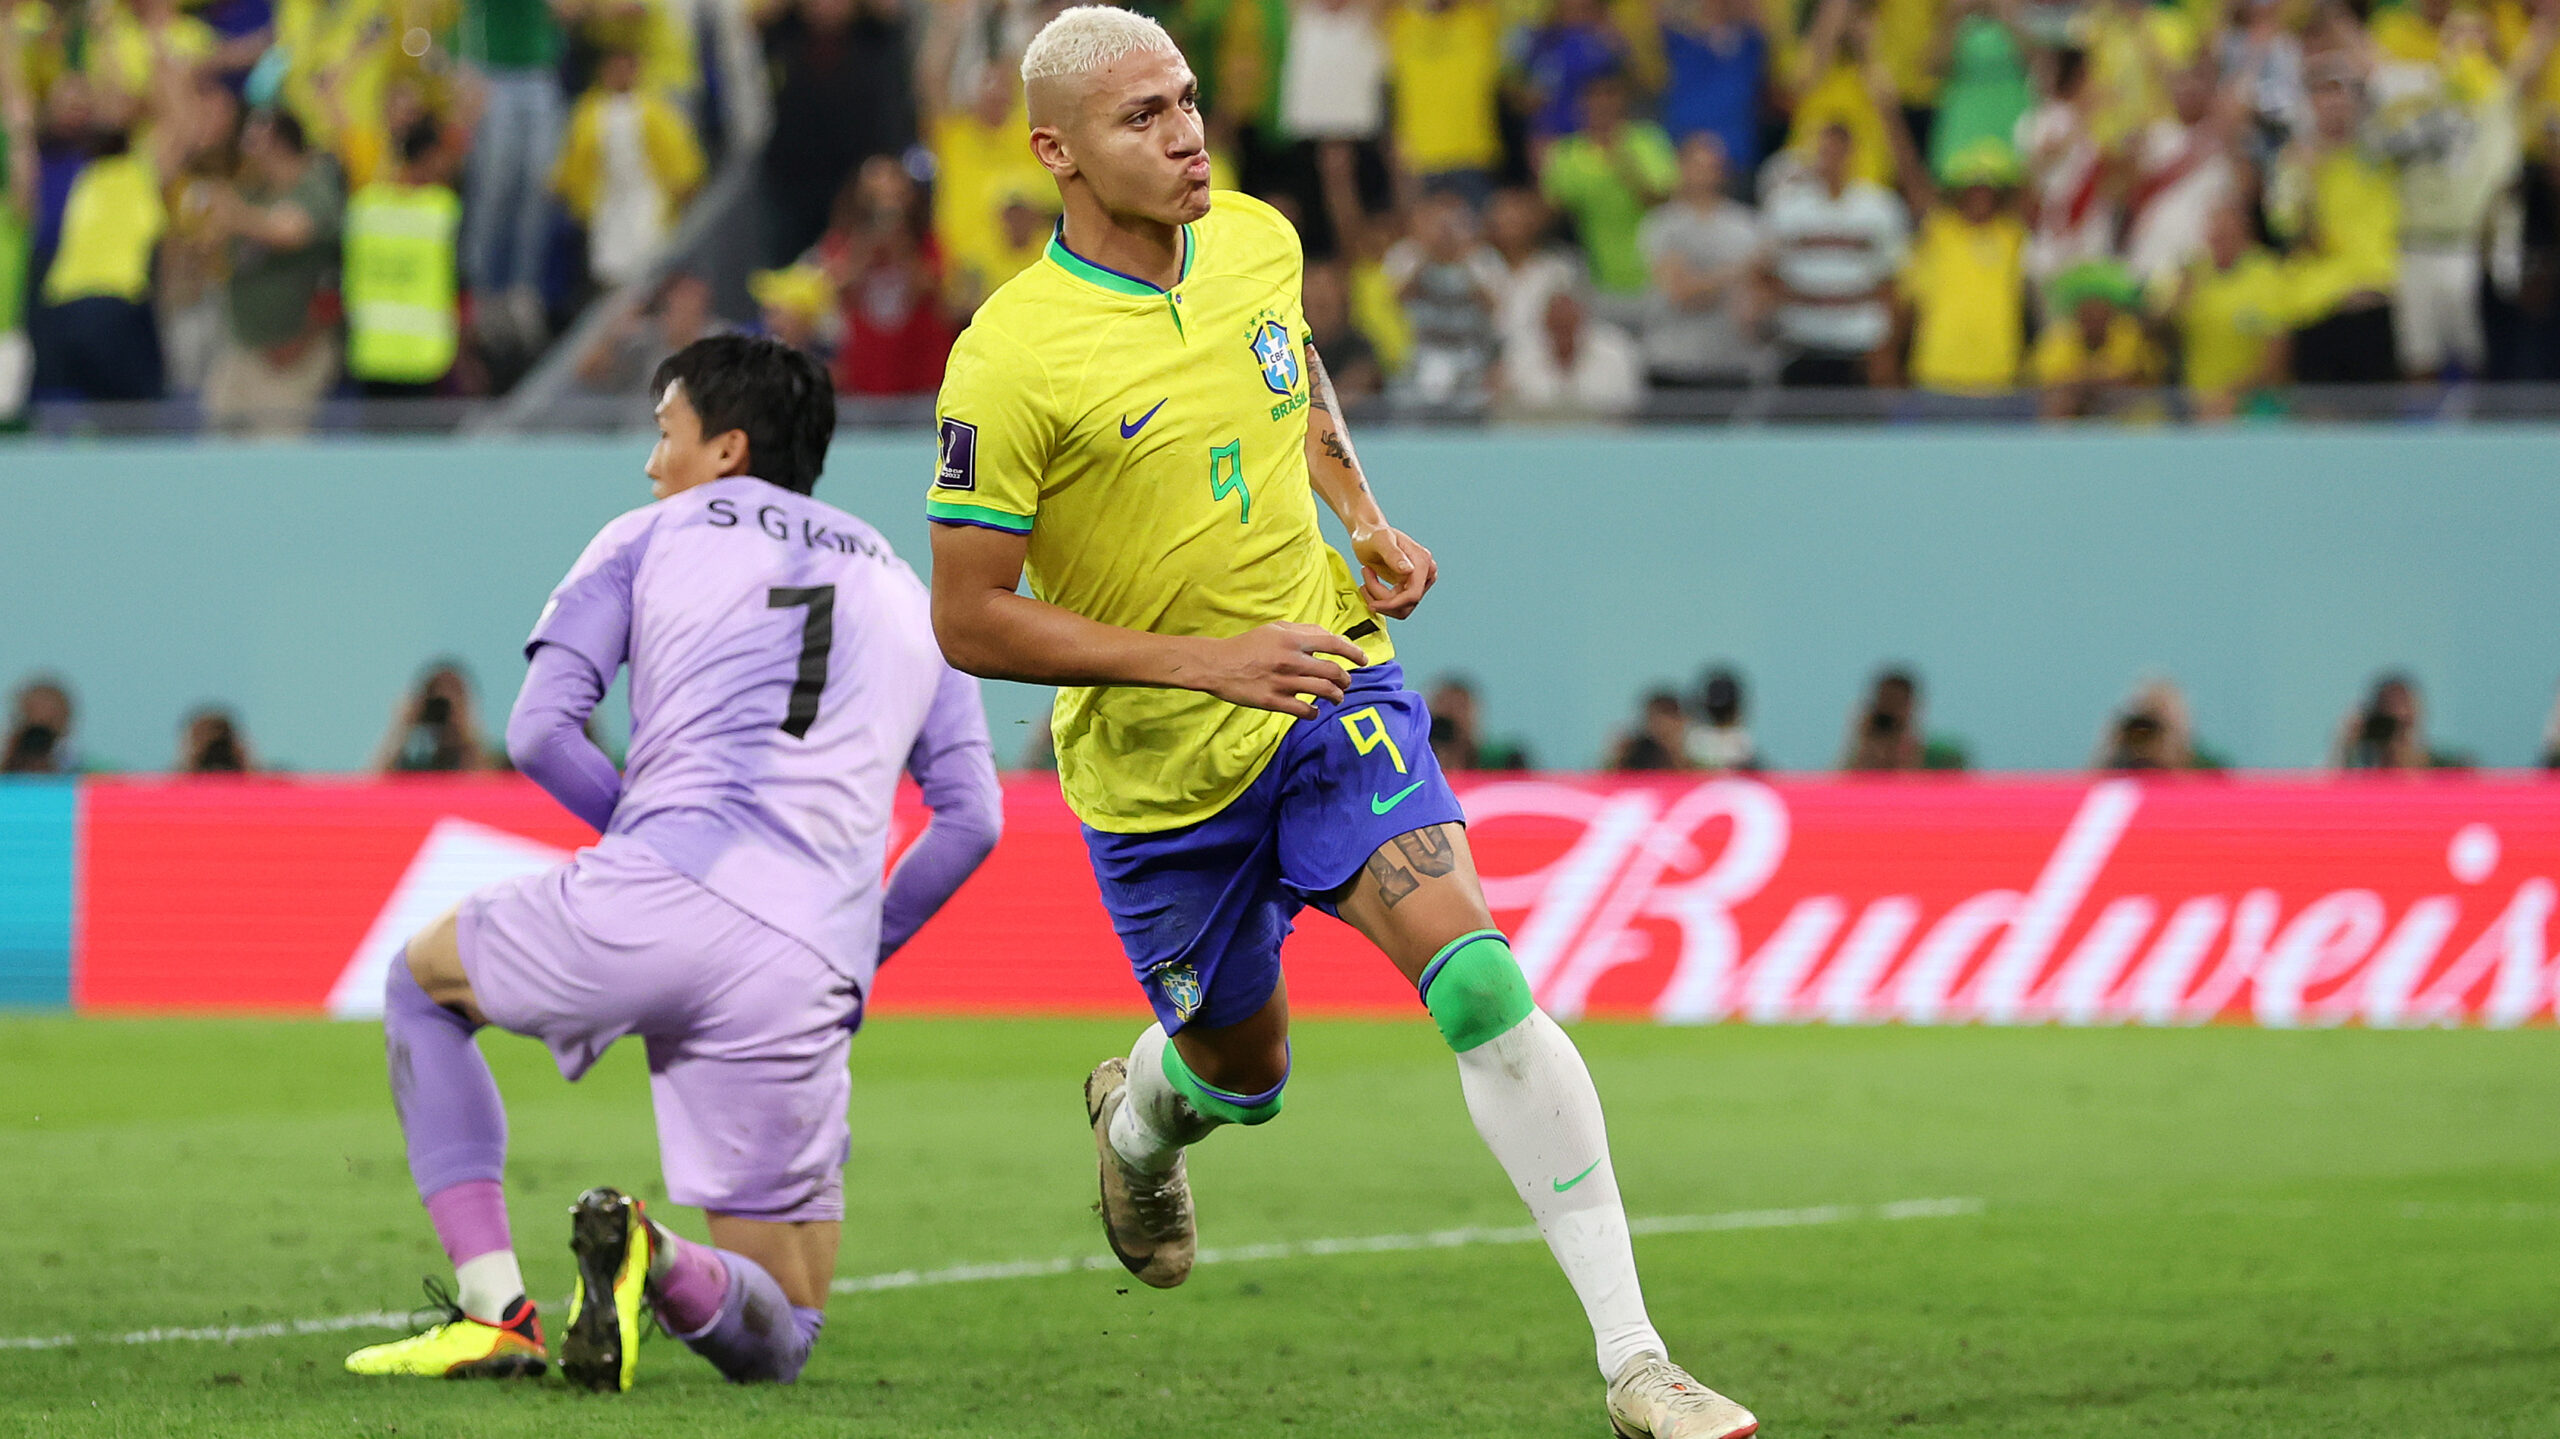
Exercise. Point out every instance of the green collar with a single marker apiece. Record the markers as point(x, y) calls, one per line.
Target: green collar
point(1112, 280)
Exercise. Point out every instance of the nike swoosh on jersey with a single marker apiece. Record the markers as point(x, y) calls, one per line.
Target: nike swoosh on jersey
point(1564, 1184)
point(1381, 806)
point(1129, 431)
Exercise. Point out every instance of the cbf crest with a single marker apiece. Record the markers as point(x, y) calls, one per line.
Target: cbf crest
point(1279, 358)
point(1181, 990)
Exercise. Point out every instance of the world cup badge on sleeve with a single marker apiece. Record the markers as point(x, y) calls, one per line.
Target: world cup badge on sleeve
point(958, 469)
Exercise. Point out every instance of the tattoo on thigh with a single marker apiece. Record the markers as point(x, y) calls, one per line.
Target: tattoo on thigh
point(1394, 880)
point(1400, 868)
point(1429, 851)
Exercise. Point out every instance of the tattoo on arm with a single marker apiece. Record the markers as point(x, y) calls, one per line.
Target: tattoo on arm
point(1400, 868)
point(1320, 396)
point(1329, 434)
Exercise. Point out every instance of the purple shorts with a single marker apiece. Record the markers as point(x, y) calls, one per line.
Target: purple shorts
point(745, 1025)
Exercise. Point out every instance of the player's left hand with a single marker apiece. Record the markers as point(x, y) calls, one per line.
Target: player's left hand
point(1395, 571)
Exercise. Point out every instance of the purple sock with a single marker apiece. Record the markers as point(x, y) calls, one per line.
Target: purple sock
point(470, 1219)
point(448, 1103)
point(759, 1335)
point(694, 1287)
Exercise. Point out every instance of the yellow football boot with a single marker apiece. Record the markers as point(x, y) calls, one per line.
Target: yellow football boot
point(461, 1347)
point(614, 1245)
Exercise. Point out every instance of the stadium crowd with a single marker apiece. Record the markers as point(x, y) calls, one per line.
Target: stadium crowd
point(436, 728)
point(1527, 208)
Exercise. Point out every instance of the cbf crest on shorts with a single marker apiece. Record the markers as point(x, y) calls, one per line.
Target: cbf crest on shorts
point(1181, 990)
point(1279, 358)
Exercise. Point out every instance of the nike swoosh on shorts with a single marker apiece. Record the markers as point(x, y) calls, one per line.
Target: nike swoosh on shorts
point(1378, 805)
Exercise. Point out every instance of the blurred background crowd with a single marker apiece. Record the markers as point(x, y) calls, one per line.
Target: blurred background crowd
point(437, 727)
point(1512, 208)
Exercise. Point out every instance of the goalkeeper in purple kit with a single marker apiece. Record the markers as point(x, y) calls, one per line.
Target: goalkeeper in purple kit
point(783, 674)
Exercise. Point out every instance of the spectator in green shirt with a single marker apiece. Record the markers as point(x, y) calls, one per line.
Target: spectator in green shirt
point(1606, 176)
point(280, 222)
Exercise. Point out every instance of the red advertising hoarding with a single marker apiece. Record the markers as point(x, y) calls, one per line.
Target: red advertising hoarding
point(2270, 901)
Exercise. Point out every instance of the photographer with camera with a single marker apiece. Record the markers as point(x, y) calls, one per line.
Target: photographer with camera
point(40, 730)
point(1720, 739)
point(1885, 732)
point(2387, 731)
point(212, 742)
point(1458, 739)
point(435, 730)
point(2149, 731)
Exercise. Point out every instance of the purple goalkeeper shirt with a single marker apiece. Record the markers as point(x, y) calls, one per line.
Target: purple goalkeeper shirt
point(783, 673)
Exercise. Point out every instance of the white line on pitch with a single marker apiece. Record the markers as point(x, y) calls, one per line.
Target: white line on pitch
point(222, 1333)
point(1041, 1268)
point(1437, 1239)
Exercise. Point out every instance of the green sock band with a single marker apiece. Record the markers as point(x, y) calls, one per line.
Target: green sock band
point(1475, 990)
point(1217, 1104)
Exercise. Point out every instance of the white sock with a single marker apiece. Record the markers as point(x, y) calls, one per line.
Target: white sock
point(1154, 1122)
point(489, 1283)
point(1533, 1102)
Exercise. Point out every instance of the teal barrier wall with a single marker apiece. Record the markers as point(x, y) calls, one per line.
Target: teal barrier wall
point(2032, 576)
point(37, 821)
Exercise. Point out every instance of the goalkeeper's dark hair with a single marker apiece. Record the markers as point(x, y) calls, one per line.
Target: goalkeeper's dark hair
point(778, 395)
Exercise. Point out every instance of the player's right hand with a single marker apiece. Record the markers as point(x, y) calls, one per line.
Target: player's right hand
point(1276, 668)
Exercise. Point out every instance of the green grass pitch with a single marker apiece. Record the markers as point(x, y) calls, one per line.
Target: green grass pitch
point(2196, 1233)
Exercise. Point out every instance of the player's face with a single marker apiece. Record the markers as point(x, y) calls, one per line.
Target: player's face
point(1138, 141)
point(685, 457)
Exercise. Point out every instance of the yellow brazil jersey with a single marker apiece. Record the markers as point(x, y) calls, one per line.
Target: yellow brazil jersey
point(1152, 445)
point(2124, 357)
point(1967, 284)
point(2540, 92)
point(2229, 320)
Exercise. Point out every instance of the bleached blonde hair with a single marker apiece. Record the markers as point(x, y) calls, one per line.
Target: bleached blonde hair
point(1084, 38)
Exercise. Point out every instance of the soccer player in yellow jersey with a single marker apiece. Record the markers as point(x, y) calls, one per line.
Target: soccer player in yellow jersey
point(1139, 423)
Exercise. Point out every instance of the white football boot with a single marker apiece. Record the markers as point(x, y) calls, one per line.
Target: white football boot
point(1146, 1218)
point(1653, 1398)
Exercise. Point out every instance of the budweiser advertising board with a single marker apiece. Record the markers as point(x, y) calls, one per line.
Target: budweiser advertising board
point(1925, 901)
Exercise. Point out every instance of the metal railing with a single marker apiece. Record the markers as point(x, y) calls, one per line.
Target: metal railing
point(572, 411)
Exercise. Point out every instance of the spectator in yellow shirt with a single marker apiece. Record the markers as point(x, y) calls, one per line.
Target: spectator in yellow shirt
point(2337, 208)
point(1905, 41)
point(2229, 310)
point(980, 163)
point(658, 32)
point(2411, 31)
point(117, 49)
point(1022, 217)
point(2133, 47)
point(1963, 291)
point(365, 138)
point(1444, 64)
point(796, 305)
point(92, 327)
point(626, 169)
point(1829, 86)
point(2525, 30)
point(2094, 352)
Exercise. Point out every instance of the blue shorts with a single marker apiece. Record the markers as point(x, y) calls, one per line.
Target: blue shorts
point(1202, 909)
